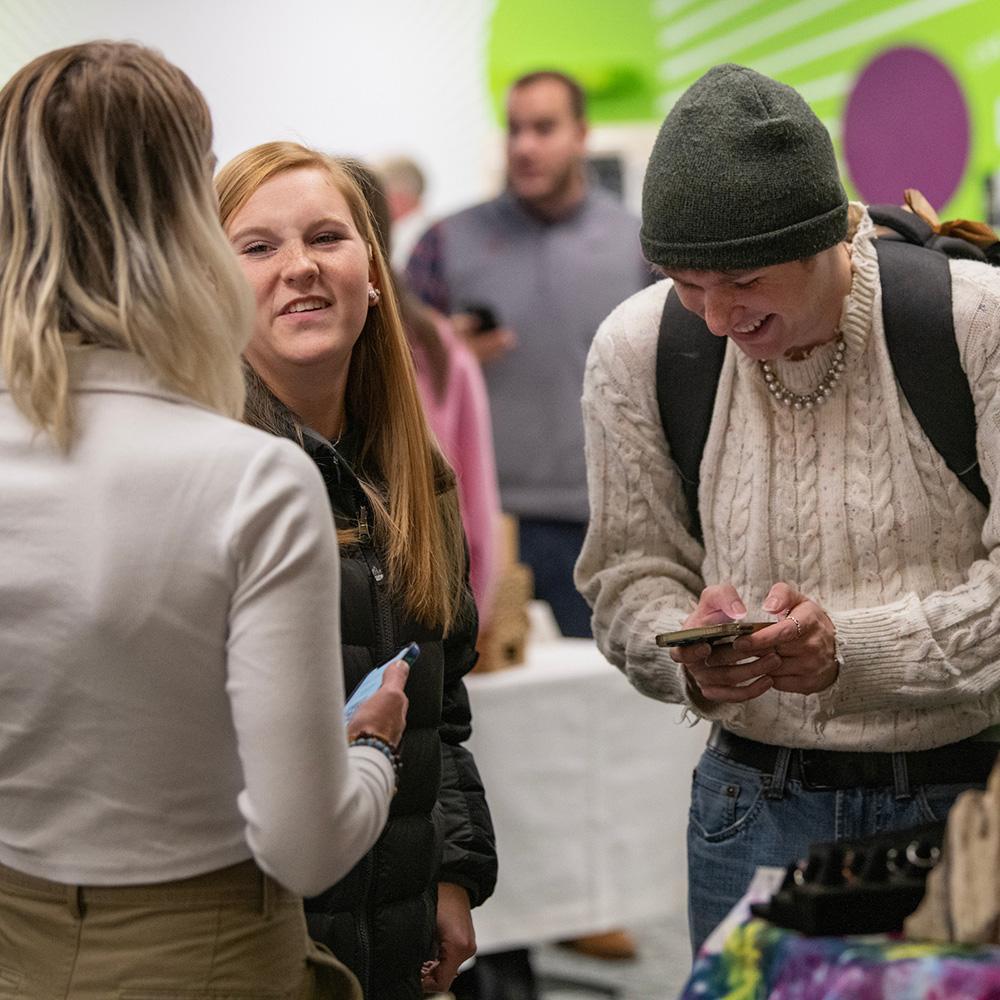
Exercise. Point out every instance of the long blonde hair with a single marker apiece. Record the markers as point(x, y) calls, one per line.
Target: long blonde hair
point(417, 523)
point(108, 230)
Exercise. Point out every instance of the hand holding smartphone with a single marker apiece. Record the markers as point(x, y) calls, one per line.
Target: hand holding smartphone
point(372, 681)
point(485, 317)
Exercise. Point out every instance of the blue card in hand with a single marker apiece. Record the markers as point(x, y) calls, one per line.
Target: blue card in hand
point(372, 681)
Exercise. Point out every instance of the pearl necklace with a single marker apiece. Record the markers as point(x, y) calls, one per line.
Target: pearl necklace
point(819, 395)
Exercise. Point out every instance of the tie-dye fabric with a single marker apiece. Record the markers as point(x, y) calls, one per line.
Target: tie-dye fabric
point(761, 962)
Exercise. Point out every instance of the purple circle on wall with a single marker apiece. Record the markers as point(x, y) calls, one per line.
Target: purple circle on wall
point(906, 125)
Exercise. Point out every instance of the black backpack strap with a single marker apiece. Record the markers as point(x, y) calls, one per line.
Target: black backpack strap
point(688, 364)
point(920, 336)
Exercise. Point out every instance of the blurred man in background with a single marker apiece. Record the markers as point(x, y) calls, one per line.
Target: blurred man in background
point(528, 276)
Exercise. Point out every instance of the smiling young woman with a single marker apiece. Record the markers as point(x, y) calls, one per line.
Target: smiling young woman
point(329, 367)
point(311, 271)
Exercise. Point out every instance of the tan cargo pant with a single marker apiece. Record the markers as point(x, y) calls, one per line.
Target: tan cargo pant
point(232, 934)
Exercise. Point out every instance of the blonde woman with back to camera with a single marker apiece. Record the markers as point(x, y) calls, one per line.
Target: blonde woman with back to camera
point(329, 367)
point(174, 771)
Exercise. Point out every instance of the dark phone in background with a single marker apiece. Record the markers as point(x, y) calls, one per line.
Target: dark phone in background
point(486, 317)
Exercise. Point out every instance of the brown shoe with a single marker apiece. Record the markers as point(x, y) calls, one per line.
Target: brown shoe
point(613, 945)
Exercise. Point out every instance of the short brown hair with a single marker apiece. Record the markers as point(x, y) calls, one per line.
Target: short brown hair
point(577, 95)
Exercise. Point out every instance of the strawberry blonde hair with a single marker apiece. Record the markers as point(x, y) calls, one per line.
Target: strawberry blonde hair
point(408, 484)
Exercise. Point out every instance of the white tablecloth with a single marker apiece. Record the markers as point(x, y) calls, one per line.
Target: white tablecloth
point(589, 783)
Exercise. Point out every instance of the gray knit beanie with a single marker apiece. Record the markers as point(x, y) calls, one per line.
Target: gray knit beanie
point(742, 175)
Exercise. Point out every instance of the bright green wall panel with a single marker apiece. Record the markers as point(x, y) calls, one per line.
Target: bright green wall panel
point(636, 56)
point(611, 48)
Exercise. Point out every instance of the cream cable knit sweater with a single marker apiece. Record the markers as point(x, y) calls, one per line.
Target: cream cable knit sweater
point(848, 502)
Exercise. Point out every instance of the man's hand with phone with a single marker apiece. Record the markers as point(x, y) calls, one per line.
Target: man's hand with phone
point(797, 653)
point(383, 713)
point(480, 331)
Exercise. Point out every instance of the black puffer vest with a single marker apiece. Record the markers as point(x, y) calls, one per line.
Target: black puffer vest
point(380, 918)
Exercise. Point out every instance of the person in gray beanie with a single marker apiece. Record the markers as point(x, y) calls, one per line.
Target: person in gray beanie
point(742, 175)
point(811, 500)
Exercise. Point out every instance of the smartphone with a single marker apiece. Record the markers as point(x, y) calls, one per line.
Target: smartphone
point(486, 317)
point(714, 635)
point(372, 681)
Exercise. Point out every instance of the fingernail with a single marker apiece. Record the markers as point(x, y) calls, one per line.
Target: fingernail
point(737, 609)
point(772, 604)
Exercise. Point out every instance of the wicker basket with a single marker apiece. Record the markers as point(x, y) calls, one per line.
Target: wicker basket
point(502, 644)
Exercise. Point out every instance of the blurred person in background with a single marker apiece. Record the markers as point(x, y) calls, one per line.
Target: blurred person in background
point(328, 366)
point(544, 263)
point(404, 185)
point(174, 771)
point(454, 398)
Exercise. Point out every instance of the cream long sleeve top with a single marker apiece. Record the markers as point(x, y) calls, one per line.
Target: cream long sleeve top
point(849, 502)
point(171, 688)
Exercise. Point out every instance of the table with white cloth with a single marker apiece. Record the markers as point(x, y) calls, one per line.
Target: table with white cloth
point(589, 783)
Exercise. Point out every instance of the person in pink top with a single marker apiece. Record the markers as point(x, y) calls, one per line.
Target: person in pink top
point(454, 396)
point(459, 414)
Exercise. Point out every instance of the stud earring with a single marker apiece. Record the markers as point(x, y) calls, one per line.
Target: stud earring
point(373, 295)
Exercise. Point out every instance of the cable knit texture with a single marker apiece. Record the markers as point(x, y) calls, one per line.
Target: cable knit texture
point(848, 502)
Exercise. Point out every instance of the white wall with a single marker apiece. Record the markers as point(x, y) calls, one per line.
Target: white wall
point(368, 78)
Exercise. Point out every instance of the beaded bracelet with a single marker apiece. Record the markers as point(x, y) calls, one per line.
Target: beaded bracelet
point(384, 747)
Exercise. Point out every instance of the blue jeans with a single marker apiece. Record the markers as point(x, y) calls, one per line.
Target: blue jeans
point(550, 549)
point(733, 827)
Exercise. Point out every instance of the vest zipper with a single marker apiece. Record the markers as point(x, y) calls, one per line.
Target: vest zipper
point(383, 607)
point(384, 649)
point(365, 537)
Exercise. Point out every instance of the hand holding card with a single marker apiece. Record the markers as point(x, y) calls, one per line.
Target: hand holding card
point(372, 681)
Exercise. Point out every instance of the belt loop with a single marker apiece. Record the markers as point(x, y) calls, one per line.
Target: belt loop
point(74, 901)
point(265, 894)
point(900, 777)
point(774, 784)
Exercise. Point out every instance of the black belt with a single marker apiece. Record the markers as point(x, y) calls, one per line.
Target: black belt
point(969, 761)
